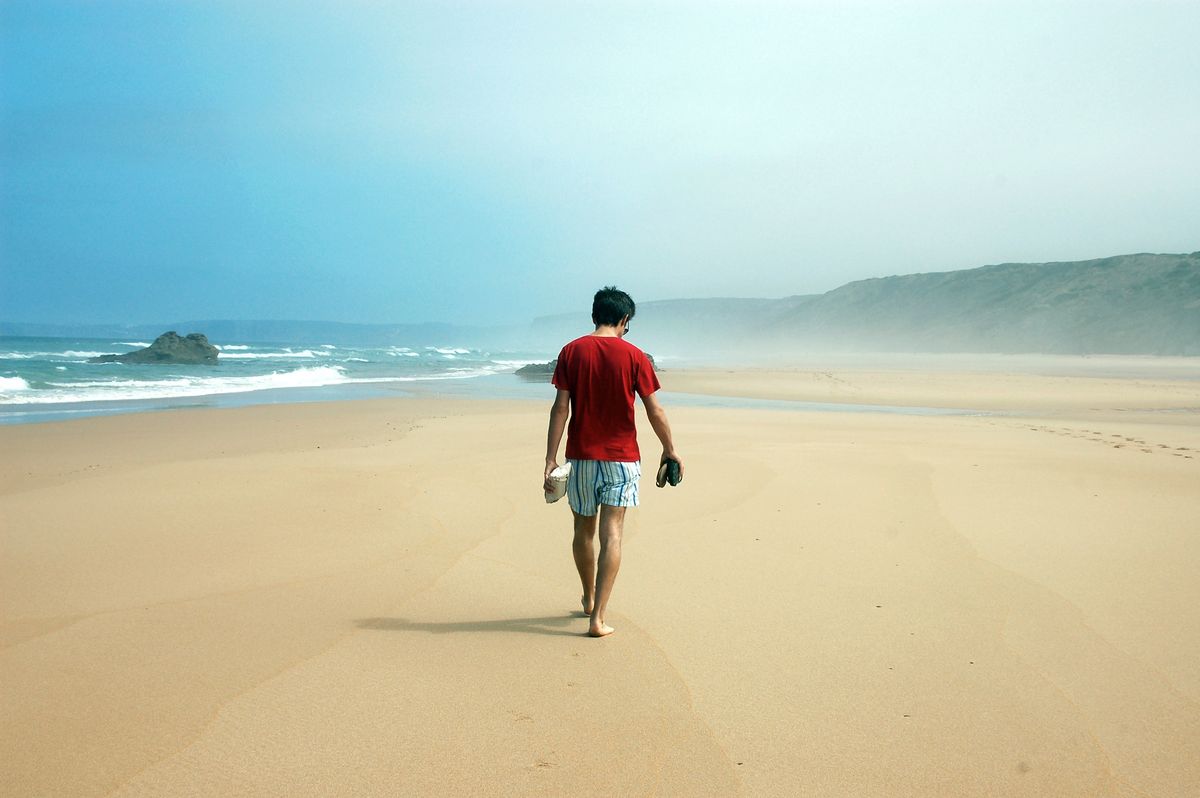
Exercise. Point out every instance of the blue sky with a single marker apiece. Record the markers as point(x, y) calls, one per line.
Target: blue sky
point(490, 162)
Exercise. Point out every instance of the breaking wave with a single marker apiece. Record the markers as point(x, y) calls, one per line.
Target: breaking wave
point(126, 390)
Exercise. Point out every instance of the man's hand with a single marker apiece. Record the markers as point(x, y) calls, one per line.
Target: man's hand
point(671, 455)
point(559, 412)
point(658, 420)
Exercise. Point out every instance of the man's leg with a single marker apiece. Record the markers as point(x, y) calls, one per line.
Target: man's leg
point(585, 558)
point(612, 525)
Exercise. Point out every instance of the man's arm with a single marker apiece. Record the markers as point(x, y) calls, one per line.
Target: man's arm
point(559, 412)
point(658, 421)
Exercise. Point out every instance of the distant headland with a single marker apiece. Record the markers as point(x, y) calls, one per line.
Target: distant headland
point(1142, 304)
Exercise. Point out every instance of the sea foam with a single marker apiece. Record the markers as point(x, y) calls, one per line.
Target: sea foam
point(126, 390)
point(306, 354)
point(12, 385)
point(73, 354)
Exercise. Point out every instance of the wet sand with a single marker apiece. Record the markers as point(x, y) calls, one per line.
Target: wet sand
point(371, 598)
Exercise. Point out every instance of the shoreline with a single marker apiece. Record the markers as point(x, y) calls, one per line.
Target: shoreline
point(918, 384)
point(993, 392)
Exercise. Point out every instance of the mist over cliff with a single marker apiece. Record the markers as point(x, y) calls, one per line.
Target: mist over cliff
point(1130, 304)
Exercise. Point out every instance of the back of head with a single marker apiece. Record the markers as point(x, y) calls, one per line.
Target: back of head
point(610, 305)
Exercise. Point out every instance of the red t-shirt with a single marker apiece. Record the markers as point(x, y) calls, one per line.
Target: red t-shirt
point(602, 375)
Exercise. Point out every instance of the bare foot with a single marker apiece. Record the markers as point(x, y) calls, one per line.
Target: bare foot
point(587, 606)
point(599, 629)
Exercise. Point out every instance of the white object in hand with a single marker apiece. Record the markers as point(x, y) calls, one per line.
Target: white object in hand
point(558, 478)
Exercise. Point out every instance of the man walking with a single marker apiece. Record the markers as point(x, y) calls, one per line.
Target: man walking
point(597, 377)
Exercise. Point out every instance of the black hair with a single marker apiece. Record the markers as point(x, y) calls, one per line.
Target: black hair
point(609, 306)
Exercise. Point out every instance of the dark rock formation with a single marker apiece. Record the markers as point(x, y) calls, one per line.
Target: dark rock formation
point(169, 348)
point(542, 372)
point(538, 371)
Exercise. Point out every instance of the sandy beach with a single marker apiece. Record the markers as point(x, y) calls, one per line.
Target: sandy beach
point(371, 598)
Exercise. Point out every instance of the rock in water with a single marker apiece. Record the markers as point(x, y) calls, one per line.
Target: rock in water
point(169, 348)
point(543, 372)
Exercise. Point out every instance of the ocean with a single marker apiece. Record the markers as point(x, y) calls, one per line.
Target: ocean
point(45, 379)
point(49, 379)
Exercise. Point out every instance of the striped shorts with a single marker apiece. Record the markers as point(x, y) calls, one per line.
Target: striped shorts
point(596, 482)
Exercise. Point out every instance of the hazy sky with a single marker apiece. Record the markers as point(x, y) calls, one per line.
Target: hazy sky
point(489, 162)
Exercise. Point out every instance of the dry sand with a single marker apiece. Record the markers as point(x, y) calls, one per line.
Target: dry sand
point(371, 598)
